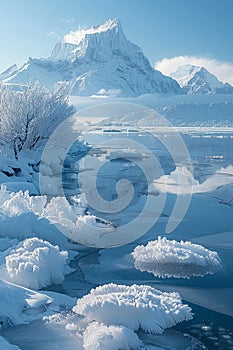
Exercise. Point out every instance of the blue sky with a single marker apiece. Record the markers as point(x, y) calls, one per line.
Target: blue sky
point(162, 28)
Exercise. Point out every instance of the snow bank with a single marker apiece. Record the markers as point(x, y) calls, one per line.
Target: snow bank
point(36, 264)
point(165, 258)
point(84, 229)
point(14, 204)
point(136, 306)
point(23, 216)
point(4, 345)
point(101, 337)
point(12, 170)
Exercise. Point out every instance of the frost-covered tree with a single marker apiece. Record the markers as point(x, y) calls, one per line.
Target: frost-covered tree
point(29, 115)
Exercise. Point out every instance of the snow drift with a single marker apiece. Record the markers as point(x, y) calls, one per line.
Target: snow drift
point(165, 258)
point(136, 306)
point(17, 203)
point(12, 170)
point(84, 229)
point(36, 264)
point(23, 216)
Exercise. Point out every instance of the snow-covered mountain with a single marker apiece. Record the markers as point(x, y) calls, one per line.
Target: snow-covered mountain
point(198, 80)
point(198, 114)
point(97, 61)
point(180, 110)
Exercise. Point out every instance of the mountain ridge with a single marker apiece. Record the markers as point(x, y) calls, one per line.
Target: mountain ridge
point(97, 61)
point(198, 80)
point(8, 72)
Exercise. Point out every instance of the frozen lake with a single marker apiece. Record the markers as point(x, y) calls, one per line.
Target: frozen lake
point(208, 221)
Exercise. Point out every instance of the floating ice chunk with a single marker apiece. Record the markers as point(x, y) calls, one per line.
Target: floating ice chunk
point(136, 306)
point(4, 345)
point(126, 153)
point(36, 264)
point(98, 336)
point(165, 258)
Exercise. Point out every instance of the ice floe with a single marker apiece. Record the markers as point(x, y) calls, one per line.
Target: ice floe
point(166, 258)
point(135, 307)
point(35, 263)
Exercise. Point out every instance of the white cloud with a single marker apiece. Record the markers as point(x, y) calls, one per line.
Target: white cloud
point(222, 70)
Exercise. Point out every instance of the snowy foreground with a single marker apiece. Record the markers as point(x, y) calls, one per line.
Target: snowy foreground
point(117, 310)
point(112, 313)
point(58, 294)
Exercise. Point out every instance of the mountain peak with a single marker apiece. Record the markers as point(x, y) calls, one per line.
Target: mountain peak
point(75, 37)
point(184, 73)
point(99, 38)
point(98, 61)
point(197, 79)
